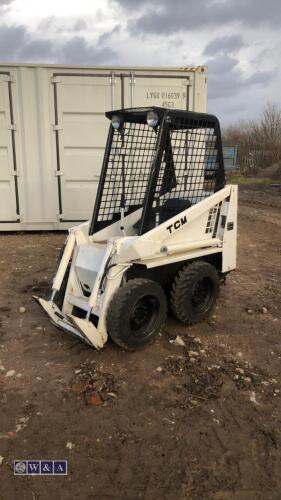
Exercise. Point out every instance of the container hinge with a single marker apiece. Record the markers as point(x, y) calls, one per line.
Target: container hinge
point(59, 217)
point(12, 126)
point(55, 79)
point(15, 173)
point(58, 173)
point(57, 127)
point(7, 78)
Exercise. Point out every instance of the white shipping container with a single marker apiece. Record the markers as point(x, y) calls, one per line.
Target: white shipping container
point(53, 133)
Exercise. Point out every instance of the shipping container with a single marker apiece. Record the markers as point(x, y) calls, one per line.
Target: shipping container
point(53, 133)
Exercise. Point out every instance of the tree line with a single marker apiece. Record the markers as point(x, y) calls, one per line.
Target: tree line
point(259, 141)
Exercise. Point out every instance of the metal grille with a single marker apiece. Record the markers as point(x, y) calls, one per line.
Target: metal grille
point(128, 170)
point(212, 217)
point(191, 160)
point(191, 168)
point(164, 173)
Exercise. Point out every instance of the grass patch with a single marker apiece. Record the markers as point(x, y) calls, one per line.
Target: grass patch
point(240, 179)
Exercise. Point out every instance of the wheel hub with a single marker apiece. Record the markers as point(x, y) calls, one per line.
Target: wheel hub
point(202, 293)
point(142, 314)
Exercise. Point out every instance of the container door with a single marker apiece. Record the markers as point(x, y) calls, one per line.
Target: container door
point(8, 180)
point(156, 90)
point(81, 129)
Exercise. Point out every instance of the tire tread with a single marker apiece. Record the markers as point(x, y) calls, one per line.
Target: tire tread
point(182, 282)
point(117, 305)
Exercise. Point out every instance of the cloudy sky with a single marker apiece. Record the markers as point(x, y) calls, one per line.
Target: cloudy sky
point(239, 40)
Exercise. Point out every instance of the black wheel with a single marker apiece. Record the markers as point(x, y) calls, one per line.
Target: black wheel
point(194, 292)
point(136, 313)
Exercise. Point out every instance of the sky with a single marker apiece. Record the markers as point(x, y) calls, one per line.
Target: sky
point(239, 41)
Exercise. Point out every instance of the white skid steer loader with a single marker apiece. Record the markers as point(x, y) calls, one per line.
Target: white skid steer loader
point(163, 228)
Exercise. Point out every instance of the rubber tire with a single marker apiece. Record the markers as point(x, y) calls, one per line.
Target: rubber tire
point(181, 293)
point(118, 326)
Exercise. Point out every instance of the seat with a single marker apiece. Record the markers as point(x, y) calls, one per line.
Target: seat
point(172, 207)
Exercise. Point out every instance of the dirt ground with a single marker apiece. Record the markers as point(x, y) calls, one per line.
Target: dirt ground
point(169, 422)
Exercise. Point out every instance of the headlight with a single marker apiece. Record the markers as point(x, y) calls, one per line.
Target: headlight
point(116, 121)
point(152, 118)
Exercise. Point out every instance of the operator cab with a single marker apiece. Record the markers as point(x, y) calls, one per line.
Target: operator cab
point(155, 166)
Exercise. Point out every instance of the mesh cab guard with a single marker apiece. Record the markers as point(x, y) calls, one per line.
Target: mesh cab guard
point(179, 159)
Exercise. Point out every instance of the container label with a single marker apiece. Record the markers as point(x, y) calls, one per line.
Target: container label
point(168, 99)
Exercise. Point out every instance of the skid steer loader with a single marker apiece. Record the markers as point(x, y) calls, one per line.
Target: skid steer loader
point(163, 229)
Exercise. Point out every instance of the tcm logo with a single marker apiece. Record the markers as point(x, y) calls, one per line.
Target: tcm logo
point(180, 222)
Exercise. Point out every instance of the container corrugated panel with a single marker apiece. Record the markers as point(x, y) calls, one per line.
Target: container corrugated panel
point(53, 133)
